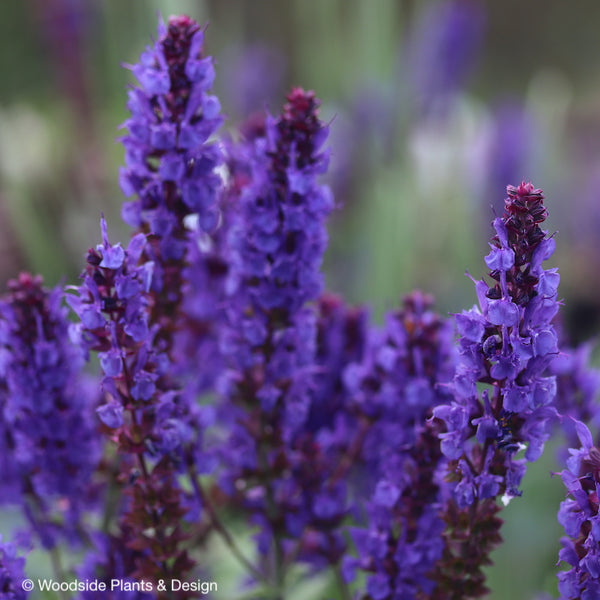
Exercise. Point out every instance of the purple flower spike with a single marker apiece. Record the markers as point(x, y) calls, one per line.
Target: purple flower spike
point(172, 116)
point(442, 52)
point(142, 412)
point(277, 246)
point(171, 168)
point(277, 239)
point(508, 344)
point(170, 160)
point(48, 446)
point(518, 343)
point(404, 374)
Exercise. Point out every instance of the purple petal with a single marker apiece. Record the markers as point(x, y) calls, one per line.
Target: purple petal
point(503, 312)
point(111, 414)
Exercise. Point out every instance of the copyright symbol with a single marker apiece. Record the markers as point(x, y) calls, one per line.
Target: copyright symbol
point(27, 585)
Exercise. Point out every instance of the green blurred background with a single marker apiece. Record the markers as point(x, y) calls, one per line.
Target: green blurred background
point(415, 192)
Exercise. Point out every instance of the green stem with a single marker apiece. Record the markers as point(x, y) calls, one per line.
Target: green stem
point(58, 570)
point(342, 586)
point(278, 558)
point(220, 528)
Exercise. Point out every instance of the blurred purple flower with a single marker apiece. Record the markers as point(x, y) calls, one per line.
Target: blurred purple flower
point(362, 140)
point(580, 221)
point(578, 389)
point(65, 26)
point(45, 407)
point(252, 78)
point(442, 52)
point(11, 573)
point(277, 240)
point(324, 452)
point(342, 335)
point(509, 151)
point(578, 514)
point(405, 373)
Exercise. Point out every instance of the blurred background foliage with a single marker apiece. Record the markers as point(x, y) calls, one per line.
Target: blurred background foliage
point(434, 108)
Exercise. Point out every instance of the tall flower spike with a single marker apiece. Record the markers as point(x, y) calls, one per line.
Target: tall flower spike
point(405, 374)
point(141, 413)
point(506, 346)
point(171, 166)
point(277, 243)
point(277, 247)
point(113, 305)
point(170, 160)
point(442, 51)
point(45, 408)
point(324, 451)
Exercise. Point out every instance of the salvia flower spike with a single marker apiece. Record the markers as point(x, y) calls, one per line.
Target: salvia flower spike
point(169, 160)
point(507, 344)
point(113, 305)
point(277, 243)
point(46, 407)
point(405, 374)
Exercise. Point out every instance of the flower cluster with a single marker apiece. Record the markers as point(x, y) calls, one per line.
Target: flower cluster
point(141, 412)
point(112, 305)
point(507, 343)
point(11, 573)
point(578, 515)
point(506, 346)
point(443, 50)
point(404, 374)
point(276, 242)
point(49, 445)
point(277, 245)
point(230, 382)
point(169, 165)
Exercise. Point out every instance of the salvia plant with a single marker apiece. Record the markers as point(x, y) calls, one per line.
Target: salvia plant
point(199, 383)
